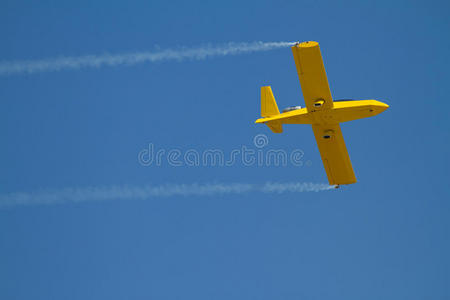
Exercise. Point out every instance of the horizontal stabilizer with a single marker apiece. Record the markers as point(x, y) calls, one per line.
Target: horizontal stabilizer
point(275, 126)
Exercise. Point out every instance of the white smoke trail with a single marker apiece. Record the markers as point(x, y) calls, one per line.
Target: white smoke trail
point(74, 195)
point(296, 187)
point(96, 61)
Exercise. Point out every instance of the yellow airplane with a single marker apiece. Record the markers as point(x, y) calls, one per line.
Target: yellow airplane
point(321, 112)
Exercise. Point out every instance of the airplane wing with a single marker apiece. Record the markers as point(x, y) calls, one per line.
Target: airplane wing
point(334, 154)
point(311, 73)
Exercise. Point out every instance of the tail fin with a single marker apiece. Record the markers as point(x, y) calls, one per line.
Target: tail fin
point(268, 104)
point(269, 108)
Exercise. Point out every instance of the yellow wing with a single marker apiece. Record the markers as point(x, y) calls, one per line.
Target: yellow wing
point(334, 154)
point(312, 75)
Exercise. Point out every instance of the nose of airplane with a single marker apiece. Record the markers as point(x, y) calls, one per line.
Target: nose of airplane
point(378, 107)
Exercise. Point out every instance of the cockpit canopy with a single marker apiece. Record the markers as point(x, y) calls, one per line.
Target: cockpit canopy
point(291, 108)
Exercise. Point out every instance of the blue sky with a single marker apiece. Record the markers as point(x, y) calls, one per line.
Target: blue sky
point(386, 237)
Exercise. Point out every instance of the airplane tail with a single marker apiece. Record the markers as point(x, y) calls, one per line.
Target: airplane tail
point(269, 108)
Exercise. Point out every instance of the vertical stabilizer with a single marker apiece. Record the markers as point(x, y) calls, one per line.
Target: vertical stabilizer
point(268, 105)
point(269, 108)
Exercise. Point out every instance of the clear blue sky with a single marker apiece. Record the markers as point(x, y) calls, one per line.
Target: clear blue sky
point(386, 237)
